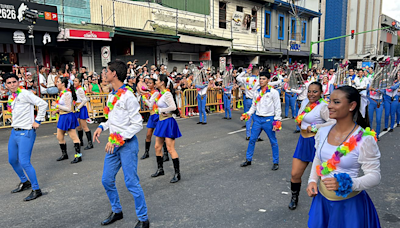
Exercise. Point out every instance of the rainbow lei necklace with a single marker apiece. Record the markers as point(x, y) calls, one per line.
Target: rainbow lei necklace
point(155, 107)
point(342, 150)
point(262, 93)
point(248, 86)
point(117, 96)
point(300, 117)
point(61, 94)
point(11, 99)
point(161, 94)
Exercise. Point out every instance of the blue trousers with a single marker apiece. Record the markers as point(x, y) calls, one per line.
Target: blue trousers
point(263, 123)
point(227, 104)
point(247, 107)
point(398, 115)
point(20, 147)
point(373, 107)
point(201, 102)
point(298, 105)
point(390, 110)
point(290, 101)
point(127, 158)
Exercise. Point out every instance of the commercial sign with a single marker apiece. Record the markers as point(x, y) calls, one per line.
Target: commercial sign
point(105, 55)
point(19, 15)
point(205, 56)
point(241, 22)
point(87, 35)
point(294, 46)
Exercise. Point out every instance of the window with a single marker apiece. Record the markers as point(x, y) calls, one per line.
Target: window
point(281, 29)
point(239, 8)
point(304, 32)
point(222, 15)
point(267, 33)
point(253, 24)
point(293, 29)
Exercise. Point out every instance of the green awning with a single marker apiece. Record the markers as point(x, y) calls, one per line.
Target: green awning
point(145, 34)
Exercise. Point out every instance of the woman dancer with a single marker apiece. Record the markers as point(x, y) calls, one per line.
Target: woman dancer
point(167, 128)
point(341, 150)
point(149, 100)
point(313, 114)
point(82, 114)
point(67, 121)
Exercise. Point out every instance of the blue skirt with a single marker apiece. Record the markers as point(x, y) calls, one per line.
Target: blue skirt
point(167, 128)
point(82, 114)
point(153, 120)
point(67, 121)
point(305, 149)
point(358, 211)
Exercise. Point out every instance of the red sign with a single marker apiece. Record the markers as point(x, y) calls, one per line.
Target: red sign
point(87, 35)
point(205, 56)
point(54, 17)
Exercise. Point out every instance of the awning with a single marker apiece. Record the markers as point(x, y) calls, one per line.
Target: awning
point(78, 34)
point(291, 53)
point(147, 35)
point(204, 41)
point(256, 53)
point(358, 57)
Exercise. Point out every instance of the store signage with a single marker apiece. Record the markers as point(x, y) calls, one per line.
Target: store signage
point(205, 56)
point(46, 38)
point(19, 37)
point(105, 55)
point(18, 15)
point(87, 35)
point(294, 46)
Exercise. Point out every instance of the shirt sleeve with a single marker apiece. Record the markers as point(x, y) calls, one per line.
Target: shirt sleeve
point(135, 119)
point(152, 100)
point(277, 105)
point(40, 103)
point(253, 107)
point(68, 103)
point(169, 99)
point(240, 78)
point(324, 113)
point(313, 174)
point(370, 165)
point(82, 96)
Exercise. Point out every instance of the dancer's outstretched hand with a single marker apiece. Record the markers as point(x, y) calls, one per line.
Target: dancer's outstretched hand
point(96, 135)
point(312, 189)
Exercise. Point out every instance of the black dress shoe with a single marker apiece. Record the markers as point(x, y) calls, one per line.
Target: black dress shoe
point(89, 146)
point(199, 123)
point(391, 130)
point(275, 167)
point(22, 186)
point(229, 118)
point(244, 126)
point(34, 194)
point(204, 123)
point(260, 140)
point(296, 131)
point(224, 118)
point(112, 218)
point(246, 163)
point(247, 138)
point(143, 224)
point(385, 129)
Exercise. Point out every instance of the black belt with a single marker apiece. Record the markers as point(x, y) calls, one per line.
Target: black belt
point(249, 98)
point(20, 129)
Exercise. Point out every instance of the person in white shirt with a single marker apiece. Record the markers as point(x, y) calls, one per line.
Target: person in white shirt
point(23, 135)
point(340, 199)
point(67, 121)
point(124, 122)
point(312, 115)
point(42, 80)
point(266, 113)
point(82, 114)
point(186, 70)
point(167, 129)
point(301, 96)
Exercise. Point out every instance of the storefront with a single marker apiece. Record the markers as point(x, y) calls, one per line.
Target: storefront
point(25, 27)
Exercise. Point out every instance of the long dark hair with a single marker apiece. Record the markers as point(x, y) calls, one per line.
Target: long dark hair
point(164, 78)
point(318, 84)
point(65, 81)
point(352, 94)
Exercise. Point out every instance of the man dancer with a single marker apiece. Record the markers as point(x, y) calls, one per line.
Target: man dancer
point(122, 148)
point(266, 108)
point(21, 104)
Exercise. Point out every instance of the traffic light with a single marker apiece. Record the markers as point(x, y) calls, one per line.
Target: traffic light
point(393, 24)
point(352, 34)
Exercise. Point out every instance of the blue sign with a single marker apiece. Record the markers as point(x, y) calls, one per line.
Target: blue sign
point(367, 64)
point(295, 47)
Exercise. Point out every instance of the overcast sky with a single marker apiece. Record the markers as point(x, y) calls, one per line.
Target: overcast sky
point(391, 8)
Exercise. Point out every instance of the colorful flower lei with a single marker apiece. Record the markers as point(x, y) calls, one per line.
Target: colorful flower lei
point(327, 167)
point(161, 94)
point(314, 128)
point(61, 94)
point(248, 86)
point(246, 116)
point(116, 139)
point(277, 124)
point(117, 96)
point(147, 96)
point(262, 93)
point(11, 99)
point(300, 117)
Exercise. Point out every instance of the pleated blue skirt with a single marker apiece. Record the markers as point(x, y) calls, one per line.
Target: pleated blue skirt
point(67, 121)
point(356, 212)
point(153, 120)
point(305, 149)
point(167, 128)
point(82, 114)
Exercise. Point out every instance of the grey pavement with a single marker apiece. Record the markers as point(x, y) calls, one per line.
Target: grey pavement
point(214, 190)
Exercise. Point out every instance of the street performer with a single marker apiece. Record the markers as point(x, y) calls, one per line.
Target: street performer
point(266, 108)
point(20, 105)
point(124, 122)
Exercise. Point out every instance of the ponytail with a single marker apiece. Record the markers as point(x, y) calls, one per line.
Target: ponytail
point(352, 94)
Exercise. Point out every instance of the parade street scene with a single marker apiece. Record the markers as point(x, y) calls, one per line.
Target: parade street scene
point(206, 113)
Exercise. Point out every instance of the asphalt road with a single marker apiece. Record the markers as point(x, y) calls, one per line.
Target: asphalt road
point(214, 190)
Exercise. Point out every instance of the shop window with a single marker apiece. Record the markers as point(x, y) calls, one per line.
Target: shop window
point(281, 29)
point(222, 15)
point(304, 32)
point(254, 20)
point(293, 29)
point(267, 33)
point(239, 8)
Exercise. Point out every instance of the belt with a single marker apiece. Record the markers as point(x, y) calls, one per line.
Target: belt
point(249, 98)
point(63, 112)
point(162, 117)
point(331, 195)
point(20, 129)
point(305, 134)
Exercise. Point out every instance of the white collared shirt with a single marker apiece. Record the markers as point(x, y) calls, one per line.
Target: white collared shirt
point(302, 91)
point(23, 110)
point(125, 117)
point(269, 104)
point(250, 89)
